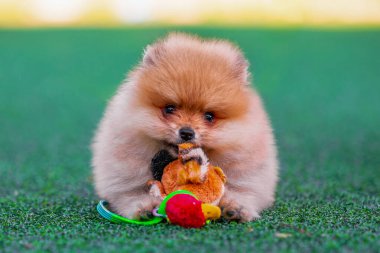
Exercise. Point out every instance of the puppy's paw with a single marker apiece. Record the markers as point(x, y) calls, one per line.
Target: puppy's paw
point(234, 212)
point(145, 212)
point(144, 215)
point(196, 154)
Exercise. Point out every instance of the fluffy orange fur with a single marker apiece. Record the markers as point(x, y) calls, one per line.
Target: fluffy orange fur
point(196, 76)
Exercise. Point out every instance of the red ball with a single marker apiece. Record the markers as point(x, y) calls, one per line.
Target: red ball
point(186, 211)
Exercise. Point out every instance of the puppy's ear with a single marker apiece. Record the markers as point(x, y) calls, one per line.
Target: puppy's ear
point(241, 68)
point(152, 54)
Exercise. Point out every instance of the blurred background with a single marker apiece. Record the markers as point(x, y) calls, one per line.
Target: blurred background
point(31, 13)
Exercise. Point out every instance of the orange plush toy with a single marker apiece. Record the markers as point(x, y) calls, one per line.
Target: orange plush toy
point(191, 172)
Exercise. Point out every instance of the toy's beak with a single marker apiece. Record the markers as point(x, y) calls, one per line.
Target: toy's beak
point(211, 212)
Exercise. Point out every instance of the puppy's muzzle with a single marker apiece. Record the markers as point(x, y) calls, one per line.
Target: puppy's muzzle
point(186, 134)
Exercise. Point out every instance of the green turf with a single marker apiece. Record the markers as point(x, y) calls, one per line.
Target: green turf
point(322, 91)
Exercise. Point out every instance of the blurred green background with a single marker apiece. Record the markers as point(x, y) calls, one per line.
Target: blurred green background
point(315, 63)
point(321, 88)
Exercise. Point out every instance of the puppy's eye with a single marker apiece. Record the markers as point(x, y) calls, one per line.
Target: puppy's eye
point(209, 117)
point(169, 109)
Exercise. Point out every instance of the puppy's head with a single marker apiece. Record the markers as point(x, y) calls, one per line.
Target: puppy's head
point(191, 90)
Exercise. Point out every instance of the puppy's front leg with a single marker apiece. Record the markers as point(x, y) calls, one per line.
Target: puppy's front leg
point(136, 205)
point(238, 205)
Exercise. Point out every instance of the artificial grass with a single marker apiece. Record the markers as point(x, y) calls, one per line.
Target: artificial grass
point(321, 89)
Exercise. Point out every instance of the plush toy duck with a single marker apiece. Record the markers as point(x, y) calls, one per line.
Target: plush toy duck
point(192, 172)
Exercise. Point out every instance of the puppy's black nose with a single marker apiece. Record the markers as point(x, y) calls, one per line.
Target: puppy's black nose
point(186, 133)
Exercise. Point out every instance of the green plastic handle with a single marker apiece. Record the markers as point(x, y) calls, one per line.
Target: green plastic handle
point(105, 213)
point(113, 217)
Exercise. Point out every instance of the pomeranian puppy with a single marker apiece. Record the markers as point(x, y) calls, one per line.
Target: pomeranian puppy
point(186, 89)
